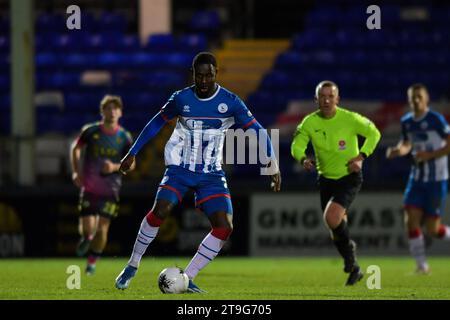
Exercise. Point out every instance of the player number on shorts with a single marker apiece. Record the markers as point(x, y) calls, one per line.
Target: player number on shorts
point(110, 208)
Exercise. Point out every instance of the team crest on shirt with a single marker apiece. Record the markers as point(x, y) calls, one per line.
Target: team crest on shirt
point(96, 136)
point(186, 108)
point(424, 125)
point(222, 108)
point(342, 145)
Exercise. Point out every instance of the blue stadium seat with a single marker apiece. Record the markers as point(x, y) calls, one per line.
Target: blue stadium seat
point(58, 80)
point(207, 22)
point(46, 59)
point(276, 80)
point(77, 61)
point(163, 80)
point(111, 41)
point(164, 42)
point(69, 42)
point(290, 60)
point(48, 22)
point(80, 101)
point(111, 60)
point(192, 43)
point(110, 21)
point(129, 43)
point(145, 60)
point(88, 22)
point(180, 61)
point(143, 102)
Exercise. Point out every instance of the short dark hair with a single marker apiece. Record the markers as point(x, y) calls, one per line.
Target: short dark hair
point(417, 86)
point(326, 83)
point(204, 58)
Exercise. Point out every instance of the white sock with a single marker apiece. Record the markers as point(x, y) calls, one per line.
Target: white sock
point(417, 249)
point(207, 251)
point(446, 235)
point(145, 236)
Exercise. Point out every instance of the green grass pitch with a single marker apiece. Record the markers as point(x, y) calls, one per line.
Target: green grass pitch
point(227, 278)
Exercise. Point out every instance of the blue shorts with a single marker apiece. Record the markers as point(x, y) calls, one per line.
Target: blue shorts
point(428, 196)
point(211, 190)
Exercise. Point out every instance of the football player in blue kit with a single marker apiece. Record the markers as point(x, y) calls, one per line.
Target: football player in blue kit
point(193, 158)
point(426, 134)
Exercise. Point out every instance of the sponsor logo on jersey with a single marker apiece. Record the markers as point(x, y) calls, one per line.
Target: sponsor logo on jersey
point(424, 125)
point(222, 108)
point(186, 108)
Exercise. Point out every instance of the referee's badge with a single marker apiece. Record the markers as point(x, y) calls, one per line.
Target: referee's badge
point(342, 145)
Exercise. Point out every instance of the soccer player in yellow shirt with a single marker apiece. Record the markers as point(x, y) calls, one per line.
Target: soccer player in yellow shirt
point(333, 132)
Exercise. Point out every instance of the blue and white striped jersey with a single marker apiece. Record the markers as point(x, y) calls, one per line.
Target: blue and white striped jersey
point(197, 142)
point(427, 133)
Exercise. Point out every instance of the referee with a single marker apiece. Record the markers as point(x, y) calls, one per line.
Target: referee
point(334, 132)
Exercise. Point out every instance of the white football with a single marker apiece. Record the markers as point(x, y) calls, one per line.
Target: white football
point(173, 280)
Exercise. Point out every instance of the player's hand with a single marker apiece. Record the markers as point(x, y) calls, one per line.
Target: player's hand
point(309, 164)
point(355, 164)
point(392, 152)
point(275, 183)
point(108, 167)
point(126, 163)
point(77, 179)
point(422, 156)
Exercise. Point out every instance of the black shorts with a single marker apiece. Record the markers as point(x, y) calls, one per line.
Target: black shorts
point(91, 205)
point(342, 191)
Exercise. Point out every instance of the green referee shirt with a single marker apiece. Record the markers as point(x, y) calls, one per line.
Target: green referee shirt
point(335, 140)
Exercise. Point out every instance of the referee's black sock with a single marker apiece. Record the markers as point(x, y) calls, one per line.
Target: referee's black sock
point(346, 247)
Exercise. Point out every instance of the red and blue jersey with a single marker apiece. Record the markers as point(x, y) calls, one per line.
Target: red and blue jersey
point(100, 146)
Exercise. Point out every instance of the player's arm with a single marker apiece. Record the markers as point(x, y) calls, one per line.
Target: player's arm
point(273, 162)
point(366, 128)
point(400, 150)
point(75, 157)
point(244, 118)
point(150, 130)
point(299, 145)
